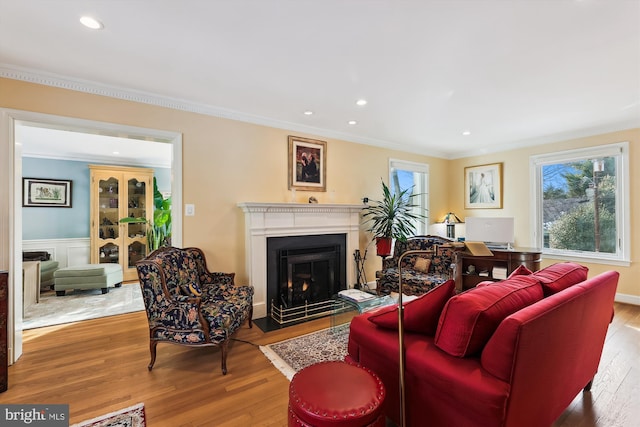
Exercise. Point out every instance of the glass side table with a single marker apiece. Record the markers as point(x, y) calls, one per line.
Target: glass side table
point(345, 309)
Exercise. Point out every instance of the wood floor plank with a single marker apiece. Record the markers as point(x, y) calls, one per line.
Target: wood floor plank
point(98, 366)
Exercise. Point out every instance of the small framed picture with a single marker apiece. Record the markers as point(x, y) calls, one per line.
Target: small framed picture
point(50, 193)
point(307, 164)
point(483, 186)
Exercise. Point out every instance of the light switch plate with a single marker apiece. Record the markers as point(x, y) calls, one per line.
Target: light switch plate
point(189, 210)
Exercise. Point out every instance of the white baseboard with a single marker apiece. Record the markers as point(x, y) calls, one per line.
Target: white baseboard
point(67, 252)
point(628, 299)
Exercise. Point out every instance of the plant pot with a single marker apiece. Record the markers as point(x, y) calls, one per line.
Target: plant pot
point(383, 246)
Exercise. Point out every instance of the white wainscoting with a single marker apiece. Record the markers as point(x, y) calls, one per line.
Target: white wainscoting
point(67, 252)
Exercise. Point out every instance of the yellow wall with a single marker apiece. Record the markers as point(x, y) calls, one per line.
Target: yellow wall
point(226, 162)
point(516, 195)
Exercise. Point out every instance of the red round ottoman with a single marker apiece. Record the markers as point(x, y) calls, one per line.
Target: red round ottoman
point(336, 394)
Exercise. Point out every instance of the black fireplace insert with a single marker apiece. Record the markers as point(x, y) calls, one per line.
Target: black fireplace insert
point(304, 270)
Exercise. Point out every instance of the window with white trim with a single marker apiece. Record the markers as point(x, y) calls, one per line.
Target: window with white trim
point(581, 203)
point(403, 175)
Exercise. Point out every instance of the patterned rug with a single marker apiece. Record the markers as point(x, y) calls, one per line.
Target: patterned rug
point(296, 353)
point(79, 305)
point(132, 416)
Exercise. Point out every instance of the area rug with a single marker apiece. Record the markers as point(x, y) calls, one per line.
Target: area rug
point(132, 416)
point(82, 305)
point(296, 353)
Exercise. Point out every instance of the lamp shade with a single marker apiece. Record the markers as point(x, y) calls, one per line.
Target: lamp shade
point(451, 220)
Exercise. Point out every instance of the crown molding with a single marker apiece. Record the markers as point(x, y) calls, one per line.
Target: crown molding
point(553, 138)
point(54, 80)
point(79, 85)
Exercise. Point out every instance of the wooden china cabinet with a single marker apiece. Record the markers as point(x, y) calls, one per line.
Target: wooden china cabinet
point(118, 192)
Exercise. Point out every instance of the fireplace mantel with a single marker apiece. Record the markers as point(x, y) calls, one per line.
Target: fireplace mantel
point(264, 220)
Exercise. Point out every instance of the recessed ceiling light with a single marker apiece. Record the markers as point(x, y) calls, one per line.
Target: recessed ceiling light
point(361, 102)
point(116, 152)
point(308, 113)
point(466, 133)
point(352, 122)
point(92, 23)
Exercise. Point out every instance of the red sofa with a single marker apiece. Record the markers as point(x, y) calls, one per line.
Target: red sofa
point(514, 353)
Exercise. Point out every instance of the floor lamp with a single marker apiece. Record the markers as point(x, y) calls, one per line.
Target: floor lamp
point(403, 418)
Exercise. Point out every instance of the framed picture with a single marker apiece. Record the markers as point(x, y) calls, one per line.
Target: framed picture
point(307, 164)
point(483, 186)
point(41, 192)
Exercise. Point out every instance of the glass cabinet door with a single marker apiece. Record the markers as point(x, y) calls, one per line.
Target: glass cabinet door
point(121, 209)
point(136, 232)
point(108, 220)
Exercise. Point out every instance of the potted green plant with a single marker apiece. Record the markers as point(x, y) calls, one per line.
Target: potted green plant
point(161, 230)
point(158, 231)
point(391, 218)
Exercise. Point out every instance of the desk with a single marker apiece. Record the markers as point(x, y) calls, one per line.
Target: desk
point(483, 266)
point(30, 283)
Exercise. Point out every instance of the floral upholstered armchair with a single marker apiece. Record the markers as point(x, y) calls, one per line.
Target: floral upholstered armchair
point(420, 273)
point(186, 304)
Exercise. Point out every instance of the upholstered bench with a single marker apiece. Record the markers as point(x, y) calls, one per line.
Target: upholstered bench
point(87, 276)
point(336, 394)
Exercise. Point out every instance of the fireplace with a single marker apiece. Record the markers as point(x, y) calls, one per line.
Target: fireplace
point(264, 221)
point(303, 273)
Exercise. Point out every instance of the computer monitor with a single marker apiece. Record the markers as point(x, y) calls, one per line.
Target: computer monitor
point(494, 232)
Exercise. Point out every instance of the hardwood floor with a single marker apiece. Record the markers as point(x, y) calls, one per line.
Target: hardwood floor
point(99, 366)
point(614, 399)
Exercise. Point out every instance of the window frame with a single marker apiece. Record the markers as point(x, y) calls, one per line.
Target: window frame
point(618, 150)
point(423, 199)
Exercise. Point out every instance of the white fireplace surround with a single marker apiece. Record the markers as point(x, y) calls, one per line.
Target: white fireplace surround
point(264, 220)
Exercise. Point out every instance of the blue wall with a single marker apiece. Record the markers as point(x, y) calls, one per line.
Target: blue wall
point(61, 223)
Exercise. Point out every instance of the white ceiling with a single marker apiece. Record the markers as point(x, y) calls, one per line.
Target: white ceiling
point(512, 72)
point(37, 141)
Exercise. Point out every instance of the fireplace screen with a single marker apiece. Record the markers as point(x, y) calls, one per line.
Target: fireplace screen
point(304, 271)
point(307, 278)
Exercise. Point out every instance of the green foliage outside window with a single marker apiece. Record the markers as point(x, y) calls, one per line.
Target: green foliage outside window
point(574, 191)
point(576, 230)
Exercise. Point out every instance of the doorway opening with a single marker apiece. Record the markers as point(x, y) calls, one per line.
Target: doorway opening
point(11, 218)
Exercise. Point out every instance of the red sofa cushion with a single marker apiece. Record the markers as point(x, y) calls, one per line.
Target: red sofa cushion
point(486, 283)
point(421, 314)
point(520, 271)
point(560, 276)
point(469, 319)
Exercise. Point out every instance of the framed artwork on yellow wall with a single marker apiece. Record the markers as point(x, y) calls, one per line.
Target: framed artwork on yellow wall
point(307, 164)
point(483, 186)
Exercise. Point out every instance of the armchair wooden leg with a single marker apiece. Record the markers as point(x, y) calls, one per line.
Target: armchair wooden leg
point(152, 349)
point(251, 317)
point(223, 356)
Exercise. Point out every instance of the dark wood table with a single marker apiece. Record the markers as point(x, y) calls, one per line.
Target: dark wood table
point(471, 270)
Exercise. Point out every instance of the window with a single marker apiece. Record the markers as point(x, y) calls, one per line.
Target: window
point(581, 203)
point(403, 175)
